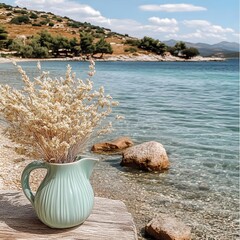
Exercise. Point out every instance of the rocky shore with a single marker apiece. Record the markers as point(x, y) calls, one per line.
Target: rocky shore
point(12, 165)
point(200, 211)
point(157, 58)
point(123, 58)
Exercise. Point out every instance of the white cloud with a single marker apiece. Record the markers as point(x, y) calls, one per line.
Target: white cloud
point(161, 25)
point(167, 29)
point(219, 29)
point(122, 25)
point(206, 26)
point(203, 31)
point(85, 13)
point(158, 28)
point(196, 23)
point(181, 7)
point(163, 21)
point(199, 36)
point(237, 35)
point(70, 8)
point(194, 35)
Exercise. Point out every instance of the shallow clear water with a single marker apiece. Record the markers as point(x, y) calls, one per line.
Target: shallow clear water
point(191, 108)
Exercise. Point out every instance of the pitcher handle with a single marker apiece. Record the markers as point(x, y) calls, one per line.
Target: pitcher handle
point(25, 178)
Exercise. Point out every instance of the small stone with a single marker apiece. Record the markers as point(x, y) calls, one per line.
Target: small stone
point(111, 147)
point(165, 227)
point(203, 187)
point(147, 156)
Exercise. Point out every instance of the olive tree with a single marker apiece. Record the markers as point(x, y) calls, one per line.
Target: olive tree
point(190, 52)
point(3, 37)
point(103, 47)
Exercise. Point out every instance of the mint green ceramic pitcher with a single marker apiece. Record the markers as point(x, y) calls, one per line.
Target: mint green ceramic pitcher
point(65, 197)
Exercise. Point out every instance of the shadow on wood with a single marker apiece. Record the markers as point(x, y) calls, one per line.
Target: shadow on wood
point(109, 220)
point(22, 217)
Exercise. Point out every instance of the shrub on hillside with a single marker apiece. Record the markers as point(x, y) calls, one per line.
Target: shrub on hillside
point(7, 7)
point(74, 24)
point(20, 11)
point(43, 22)
point(99, 30)
point(36, 25)
point(33, 15)
point(44, 16)
point(98, 35)
point(133, 42)
point(20, 20)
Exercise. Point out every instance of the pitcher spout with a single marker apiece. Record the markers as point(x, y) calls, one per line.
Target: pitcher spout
point(87, 165)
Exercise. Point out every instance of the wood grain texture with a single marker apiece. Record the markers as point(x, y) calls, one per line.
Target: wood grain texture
point(109, 220)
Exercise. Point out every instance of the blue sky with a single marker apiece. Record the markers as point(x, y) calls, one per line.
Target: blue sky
point(207, 21)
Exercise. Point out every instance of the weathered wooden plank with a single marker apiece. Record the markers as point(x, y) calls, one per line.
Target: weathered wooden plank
point(109, 220)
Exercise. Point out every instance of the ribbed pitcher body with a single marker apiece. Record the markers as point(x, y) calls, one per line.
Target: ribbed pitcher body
point(65, 197)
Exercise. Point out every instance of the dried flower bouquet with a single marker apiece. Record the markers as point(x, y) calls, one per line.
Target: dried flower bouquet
point(53, 118)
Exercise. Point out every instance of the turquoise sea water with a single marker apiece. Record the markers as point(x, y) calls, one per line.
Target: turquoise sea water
point(191, 108)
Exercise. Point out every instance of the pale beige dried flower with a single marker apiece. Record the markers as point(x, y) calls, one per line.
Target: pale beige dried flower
point(120, 117)
point(53, 118)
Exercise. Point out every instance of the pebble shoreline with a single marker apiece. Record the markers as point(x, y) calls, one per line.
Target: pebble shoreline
point(123, 58)
point(12, 165)
point(109, 180)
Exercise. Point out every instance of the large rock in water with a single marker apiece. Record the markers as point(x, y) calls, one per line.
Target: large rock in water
point(165, 227)
point(111, 147)
point(148, 156)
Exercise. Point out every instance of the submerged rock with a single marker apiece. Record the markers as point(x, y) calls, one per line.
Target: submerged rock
point(165, 227)
point(112, 147)
point(150, 156)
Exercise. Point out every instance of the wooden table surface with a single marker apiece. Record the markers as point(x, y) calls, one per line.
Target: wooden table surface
point(109, 220)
